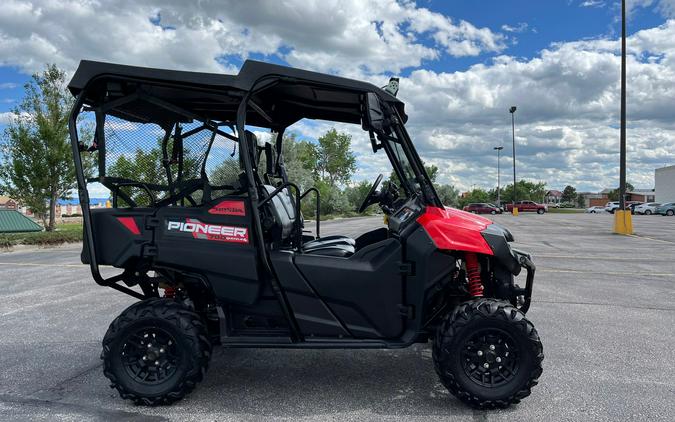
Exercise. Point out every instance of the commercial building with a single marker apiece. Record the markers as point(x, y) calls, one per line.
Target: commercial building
point(664, 179)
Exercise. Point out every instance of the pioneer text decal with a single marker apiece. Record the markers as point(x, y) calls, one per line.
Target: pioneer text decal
point(215, 232)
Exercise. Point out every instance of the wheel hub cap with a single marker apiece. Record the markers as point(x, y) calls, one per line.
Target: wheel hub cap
point(490, 357)
point(150, 356)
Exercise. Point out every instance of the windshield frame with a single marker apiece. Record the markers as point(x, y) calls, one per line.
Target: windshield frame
point(399, 136)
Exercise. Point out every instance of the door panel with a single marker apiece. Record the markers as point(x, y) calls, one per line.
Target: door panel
point(214, 240)
point(364, 291)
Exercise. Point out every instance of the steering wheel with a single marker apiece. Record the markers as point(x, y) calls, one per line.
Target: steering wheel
point(372, 197)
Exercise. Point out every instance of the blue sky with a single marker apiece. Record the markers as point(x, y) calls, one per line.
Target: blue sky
point(462, 63)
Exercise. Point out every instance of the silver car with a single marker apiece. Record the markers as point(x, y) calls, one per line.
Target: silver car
point(647, 208)
point(596, 210)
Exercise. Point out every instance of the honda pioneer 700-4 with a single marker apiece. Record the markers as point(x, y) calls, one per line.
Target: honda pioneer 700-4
point(205, 227)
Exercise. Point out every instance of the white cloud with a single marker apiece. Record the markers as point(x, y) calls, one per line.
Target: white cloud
point(519, 27)
point(6, 117)
point(385, 35)
point(665, 7)
point(567, 96)
point(7, 85)
point(567, 118)
point(592, 3)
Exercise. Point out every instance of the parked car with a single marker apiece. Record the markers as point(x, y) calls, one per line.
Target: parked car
point(610, 207)
point(666, 209)
point(648, 208)
point(482, 208)
point(595, 210)
point(630, 205)
point(528, 206)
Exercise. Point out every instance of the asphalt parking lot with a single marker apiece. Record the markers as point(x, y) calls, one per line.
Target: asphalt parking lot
point(604, 306)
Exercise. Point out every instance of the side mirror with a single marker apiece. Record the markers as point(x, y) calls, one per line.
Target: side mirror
point(373, 116)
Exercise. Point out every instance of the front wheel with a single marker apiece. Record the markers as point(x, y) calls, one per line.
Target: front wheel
point(487, 354)
point(648, 212)
point(670, 213)
point(155, 352)
point(540, 211)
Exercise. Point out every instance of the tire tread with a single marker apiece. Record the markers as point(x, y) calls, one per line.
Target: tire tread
point(456, 321)
point(192, 330)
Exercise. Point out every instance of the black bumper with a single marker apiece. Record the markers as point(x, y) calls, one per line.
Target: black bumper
point(525, 261)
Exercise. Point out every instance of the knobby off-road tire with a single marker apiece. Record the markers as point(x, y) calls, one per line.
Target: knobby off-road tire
point(155, 352)
point(456, 350)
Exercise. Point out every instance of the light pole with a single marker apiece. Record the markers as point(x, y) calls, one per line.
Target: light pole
point(623, 222)
point(499, 150)
point(512, 110)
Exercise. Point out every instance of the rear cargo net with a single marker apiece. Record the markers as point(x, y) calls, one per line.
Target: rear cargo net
point(183, 164)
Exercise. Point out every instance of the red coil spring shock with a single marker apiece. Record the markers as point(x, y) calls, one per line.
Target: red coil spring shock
point(169, 292)
point(473, 274)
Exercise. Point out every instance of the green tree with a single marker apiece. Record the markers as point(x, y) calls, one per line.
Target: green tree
point(145, 166)
point(524, 191)
point(299, 161)
point(476, 195)
point(432, 172)
point(357, 193)
point(335, 162)
point(614, 194)
point(37, 167)
point(448, 195)
point(333, 200)
point(569, 195)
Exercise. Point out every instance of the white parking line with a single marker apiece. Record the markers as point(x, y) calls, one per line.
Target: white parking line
point(30, 264)
point(551, 270)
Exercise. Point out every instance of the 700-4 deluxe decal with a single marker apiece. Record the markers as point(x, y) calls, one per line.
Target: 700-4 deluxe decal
point(205, 231)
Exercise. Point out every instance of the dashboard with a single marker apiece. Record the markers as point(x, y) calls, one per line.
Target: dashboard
point(405, 215)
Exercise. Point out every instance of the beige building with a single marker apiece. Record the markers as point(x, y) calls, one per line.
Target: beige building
point(664, 180)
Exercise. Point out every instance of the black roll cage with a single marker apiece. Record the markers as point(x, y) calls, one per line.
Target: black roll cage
point(428, 193)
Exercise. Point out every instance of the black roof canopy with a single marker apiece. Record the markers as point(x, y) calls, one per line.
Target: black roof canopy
point(290, 94)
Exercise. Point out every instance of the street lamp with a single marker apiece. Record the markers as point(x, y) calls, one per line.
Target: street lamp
point(512, 110)
point(499, 150)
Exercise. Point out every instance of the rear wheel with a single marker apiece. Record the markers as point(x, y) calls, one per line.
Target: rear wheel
point(155, 352)
point(488, 354)
point(648, 212)
point(670, 213)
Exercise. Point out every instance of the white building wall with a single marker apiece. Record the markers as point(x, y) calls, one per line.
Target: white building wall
point(664, 180)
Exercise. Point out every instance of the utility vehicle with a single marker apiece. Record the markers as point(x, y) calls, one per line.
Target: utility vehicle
point(206, 230)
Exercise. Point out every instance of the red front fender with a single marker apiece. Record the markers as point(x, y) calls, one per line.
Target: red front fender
point(452, 229)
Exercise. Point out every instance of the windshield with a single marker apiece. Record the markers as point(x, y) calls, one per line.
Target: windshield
point(407, 175)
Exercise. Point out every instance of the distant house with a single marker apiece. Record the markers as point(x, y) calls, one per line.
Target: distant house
point(641, 195)
point(593, 199)
point(68, 207)
point(7, 203)
point(553, 197)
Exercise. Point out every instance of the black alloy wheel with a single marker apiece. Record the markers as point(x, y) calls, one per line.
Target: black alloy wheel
point(487, 354)
point(490, 357)
point(155, 352)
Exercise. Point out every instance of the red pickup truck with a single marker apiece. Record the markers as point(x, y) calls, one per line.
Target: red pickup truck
point(528, 206)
